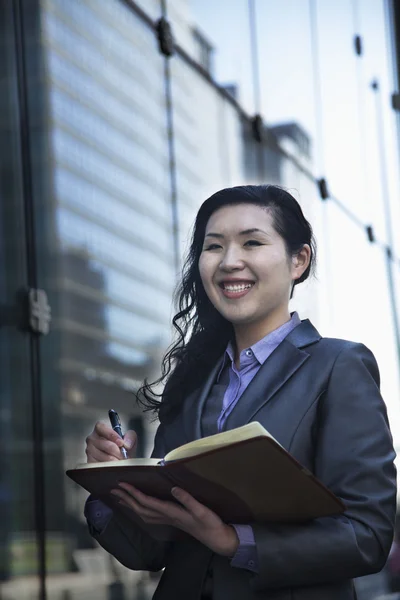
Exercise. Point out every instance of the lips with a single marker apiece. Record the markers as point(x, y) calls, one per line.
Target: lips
point(236, 288)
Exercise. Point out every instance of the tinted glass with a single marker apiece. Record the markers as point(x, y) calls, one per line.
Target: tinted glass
point(106, 256)
point(19, 555)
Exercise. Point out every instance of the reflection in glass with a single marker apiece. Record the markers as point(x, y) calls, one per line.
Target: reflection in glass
point(107, 254)
point(19, 549)
point(105, 248)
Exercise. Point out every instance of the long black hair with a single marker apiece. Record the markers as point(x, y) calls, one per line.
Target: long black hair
point(203, 333)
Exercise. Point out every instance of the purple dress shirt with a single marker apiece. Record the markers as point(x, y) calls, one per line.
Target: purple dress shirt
point(251, 359)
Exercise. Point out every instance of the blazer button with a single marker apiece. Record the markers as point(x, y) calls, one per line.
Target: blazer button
point(251, 563)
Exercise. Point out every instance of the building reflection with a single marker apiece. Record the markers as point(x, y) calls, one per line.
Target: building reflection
point(98, 151)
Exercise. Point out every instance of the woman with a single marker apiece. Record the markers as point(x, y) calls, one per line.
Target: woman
point(241, 356)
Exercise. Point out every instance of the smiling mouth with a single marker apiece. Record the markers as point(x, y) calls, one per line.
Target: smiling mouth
point(235, 290)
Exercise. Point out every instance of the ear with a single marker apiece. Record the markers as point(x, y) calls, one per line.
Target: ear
point(301, 261)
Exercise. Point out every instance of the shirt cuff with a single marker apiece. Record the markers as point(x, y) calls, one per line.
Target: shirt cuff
point(97, 515)
point(246, 554)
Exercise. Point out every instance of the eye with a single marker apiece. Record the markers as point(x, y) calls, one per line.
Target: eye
point(213, 247)
point(253, 243)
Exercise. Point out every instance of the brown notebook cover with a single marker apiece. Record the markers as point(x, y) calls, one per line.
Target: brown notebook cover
point(248, 481)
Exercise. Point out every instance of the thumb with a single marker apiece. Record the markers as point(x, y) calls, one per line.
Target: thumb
point(130, 443)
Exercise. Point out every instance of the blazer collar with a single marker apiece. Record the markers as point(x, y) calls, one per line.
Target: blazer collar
point(284, 361)
point(303, 335)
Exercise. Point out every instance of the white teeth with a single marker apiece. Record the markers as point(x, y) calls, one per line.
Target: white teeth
point(237, 288)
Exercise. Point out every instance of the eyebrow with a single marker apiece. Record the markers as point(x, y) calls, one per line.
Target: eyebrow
point(245, 232)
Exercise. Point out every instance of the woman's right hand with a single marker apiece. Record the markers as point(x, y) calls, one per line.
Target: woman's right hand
point(104, 444)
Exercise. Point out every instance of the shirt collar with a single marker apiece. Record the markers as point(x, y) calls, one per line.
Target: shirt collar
point(263, 348)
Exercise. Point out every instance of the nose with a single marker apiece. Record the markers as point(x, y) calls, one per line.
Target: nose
point(232, 260)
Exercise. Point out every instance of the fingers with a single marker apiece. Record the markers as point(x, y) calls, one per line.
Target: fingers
point(105, 431)
point(101, 450)
point(188, 514)
point(144, 512)
point(130, 443)
point(103, 444)
point(197, 509)
point(179, 515)
point(149, 508)
point(146, 501)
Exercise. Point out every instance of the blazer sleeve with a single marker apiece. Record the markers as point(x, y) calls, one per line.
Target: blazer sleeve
point(354, 458)
point(129, 543)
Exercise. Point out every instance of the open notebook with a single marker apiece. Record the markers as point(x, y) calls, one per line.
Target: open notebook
point(244, 475)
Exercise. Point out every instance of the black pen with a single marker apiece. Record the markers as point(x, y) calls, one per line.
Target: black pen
point(116, 425)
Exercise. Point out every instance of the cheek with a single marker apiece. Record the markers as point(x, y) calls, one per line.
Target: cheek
point(205, 270)
point(275, 265)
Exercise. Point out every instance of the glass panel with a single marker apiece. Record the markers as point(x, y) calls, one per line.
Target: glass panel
point(312, 298)
point(107, 259)
point(209, 149)
point(217, 35)
point(361, 302)
point(381, 132)
point(217, 148)
point(396, 283)
point(285, 71)
point(19, 557)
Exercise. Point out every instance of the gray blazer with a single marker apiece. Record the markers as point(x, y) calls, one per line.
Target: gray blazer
point(319, 397)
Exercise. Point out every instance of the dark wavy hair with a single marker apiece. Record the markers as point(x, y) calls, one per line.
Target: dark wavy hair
point(203, 333)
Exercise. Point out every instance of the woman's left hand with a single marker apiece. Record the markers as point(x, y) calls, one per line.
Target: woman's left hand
point(192, 517)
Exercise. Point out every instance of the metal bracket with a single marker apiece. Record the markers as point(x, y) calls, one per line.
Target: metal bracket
point(370, 233)
point(39, 311)
point(358, 45)
point(166, 42)
point(396, 101)
point(323, 188)
point(257, 128)
point(30, 312)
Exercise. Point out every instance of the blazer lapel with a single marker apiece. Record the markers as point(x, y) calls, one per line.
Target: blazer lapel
point(286, 359)
point(194, 403)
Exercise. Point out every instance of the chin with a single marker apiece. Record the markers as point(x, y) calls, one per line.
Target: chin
point(239, 319)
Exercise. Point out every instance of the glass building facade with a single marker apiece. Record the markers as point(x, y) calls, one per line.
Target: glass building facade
point(107, 149)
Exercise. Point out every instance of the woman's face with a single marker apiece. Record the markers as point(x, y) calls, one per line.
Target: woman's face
point(244, 266)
